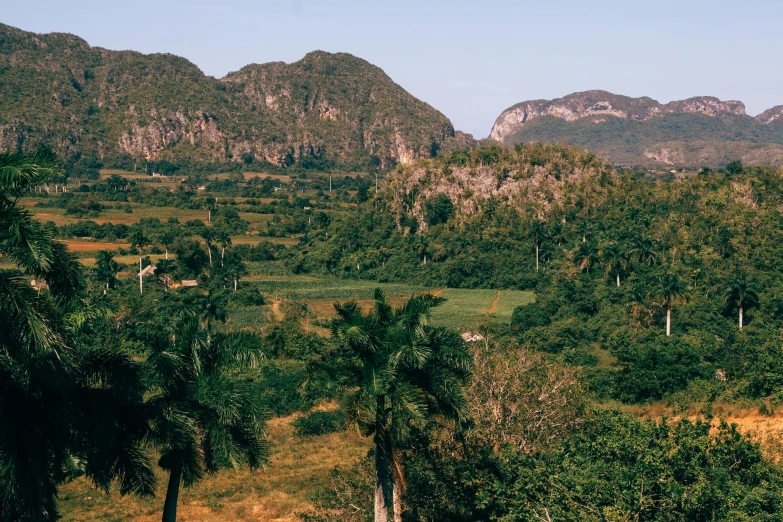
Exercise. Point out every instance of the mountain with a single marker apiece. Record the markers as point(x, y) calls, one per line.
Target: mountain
point(123, 106)
point(701, 131)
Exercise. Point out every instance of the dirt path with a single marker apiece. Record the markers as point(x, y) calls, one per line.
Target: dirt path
point(494, 304)
point(276, 312)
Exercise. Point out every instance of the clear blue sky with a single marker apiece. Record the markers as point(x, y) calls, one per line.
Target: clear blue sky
point(469, 59)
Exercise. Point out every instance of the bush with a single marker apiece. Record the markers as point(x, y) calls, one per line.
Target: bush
point(247, 297)
point(529, 316)
point(320, 423)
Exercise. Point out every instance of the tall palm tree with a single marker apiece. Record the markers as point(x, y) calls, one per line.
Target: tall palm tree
point(614, 260)
point(586, 256)
point(223, 237)
point(741, 296)
point(61, 400)
point(538, 234)
point(208, 235)
point(670, 291)
point(401, 371)
point(203, 418)
point(106, 269)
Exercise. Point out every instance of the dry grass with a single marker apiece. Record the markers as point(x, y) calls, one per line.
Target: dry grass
point(92, 246)
point(297, 467)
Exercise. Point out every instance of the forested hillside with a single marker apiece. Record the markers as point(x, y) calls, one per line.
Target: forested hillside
point(125, 109)
point(674, 281)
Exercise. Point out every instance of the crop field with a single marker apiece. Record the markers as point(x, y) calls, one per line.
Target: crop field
point(463, 309)
point(467, 309)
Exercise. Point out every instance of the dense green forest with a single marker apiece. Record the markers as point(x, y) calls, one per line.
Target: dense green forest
point(646, 291)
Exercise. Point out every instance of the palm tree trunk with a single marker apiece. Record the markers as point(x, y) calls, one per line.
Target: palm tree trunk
point(382, 493)
point(235, 284)
point(536, 257)
point(172, 494)
point(222, 256)
point(209, 248)
point(668, 320)
point(397, 500)
point(740, 319)
point(618, 279)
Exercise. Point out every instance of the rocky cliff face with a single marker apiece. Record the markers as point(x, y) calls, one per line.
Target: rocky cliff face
point(87, 101)
point(598, 103)
point(701, 131)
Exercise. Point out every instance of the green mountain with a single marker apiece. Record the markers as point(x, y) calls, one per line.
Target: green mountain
point(702, 131)
point(120, 107)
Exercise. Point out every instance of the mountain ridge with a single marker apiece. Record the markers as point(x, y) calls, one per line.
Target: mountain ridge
point(125, 106)
point(642, 131)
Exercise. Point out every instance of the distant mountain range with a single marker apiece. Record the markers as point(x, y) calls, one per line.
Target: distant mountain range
point(701, 131)
point(123, 106)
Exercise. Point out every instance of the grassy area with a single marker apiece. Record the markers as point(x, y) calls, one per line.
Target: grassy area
point(297, 467)
point(467, 309)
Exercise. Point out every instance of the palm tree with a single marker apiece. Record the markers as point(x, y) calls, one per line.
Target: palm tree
point(106, 269)
point(61, 401)
point(586, 256)
point(209, 204)
point(208, 235)
point(644, 250)
point(614, 260)
point(740, 295)
point(203, 417)
point(670, 291)
point(224, 238)
point(401, 371)
point(538, 233)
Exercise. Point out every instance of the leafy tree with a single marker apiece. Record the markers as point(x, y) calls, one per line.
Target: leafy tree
point(203, 417)
point(740, 296)
point(438, 209)
point(137, 237)
point(209, 204)
point(400, 372)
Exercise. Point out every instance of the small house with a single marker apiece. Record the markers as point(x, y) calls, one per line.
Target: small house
point(148, 270)
point(189, 283)
point(471, 337)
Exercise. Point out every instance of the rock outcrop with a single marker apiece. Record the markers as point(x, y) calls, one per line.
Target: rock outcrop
point(596, 103)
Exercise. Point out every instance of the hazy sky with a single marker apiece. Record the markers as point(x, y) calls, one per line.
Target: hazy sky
point(469, 59)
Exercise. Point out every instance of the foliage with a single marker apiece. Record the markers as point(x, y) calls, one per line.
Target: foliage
point(320, 423)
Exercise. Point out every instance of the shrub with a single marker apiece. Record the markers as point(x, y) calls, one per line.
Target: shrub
point(320, 423)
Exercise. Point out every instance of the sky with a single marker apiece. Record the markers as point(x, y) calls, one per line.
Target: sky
point(468, 59)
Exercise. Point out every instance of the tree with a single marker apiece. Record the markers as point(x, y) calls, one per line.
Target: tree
point(137, 237)
point(538, 234)
point(223, 237)
point(106, 269)
point(209, 204)
point(670, 291)
point(614, 260)
point(62, 401)
point(438, 209)
point(644, 251)
point(741, 296)
point(166, 239)
point(203, 417)
point(208, 235)
point(399, 371)
point(586, 256)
